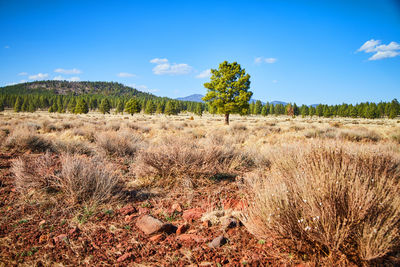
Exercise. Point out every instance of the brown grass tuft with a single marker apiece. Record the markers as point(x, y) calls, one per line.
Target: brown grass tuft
point(121, 143)
point(337, 202)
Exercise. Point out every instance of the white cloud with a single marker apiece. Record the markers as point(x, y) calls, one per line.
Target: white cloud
point(74, 79)
point(71, 79)
point(164, 67)
point(71, 71)
point(269, 60)
point(204, 74)
point(9, 84)
point(143, 88)
point(125, 74)
point(23, 73)
point(22, 81)
point(274, 81)
point(7, 46)
point(159, 60)
point(380, 51)
point(39, 76)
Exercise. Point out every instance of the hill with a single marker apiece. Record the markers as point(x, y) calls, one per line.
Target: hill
point(74, 88)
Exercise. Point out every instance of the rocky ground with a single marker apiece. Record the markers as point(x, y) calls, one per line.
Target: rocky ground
point(176, 228)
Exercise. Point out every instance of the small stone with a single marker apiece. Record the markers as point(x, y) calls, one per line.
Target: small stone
point(127, 210)
point(143, 210)
point(207, 223)
point(192, 214)
point(176, 207)
point(124, 257)
point(182, 229)
point(74, 230)
point(149, 225)
point(156, 238)
point(230, 223)
point(190, 237)
point(43, 238)
point(129, 218)
point(218, 242)
point(62, 237)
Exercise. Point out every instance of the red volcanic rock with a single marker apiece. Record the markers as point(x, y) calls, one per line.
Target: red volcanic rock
point(182, 229)
point(149, 225)
point(124, 257)
point(127, 210)
point(156, 238)
point(192, 214)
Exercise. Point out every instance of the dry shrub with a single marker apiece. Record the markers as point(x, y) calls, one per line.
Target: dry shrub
point(329, 201)
point(83, 180)
point(121, 143)
point(87, 181)
point(23, 138)
point(177, 159)
point(73, 147)
point(360, 134)
point(35, 173)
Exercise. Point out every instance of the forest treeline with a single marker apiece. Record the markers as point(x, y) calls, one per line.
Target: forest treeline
point(106, 97)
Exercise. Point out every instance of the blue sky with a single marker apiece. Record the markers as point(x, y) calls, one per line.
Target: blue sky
point(295, 51)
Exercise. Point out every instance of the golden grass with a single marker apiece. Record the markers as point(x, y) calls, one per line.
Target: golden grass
point(325, 187)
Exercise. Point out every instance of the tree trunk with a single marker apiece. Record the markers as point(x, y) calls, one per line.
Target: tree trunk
point(227, 119)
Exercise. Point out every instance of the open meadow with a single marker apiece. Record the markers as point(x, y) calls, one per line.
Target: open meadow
point(161, 190)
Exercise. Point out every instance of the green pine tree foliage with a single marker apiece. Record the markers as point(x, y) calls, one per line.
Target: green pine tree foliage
point(120, 107)
point(228, 89)
point(150, 107)
point(105, 106)
point(199, 109)
point(71, 105)
point(258, 107)
point(81, 106)
point(132, 106)
point(18, 105)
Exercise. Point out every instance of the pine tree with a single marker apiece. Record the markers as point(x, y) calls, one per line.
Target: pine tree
point(81, 107)
point(264, 110)
point(1, 104)
point(18, 105)
point(120, 107)
point(150, 107)
point(31, 107)
point(258, 107)
point(319, 110)
point(25, 104)
point(132, 106)
point(71, 105)
point(170, 108)
point(105, 106)
point(199, 109)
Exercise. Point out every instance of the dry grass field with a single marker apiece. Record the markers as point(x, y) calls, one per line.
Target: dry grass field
point(80, 190)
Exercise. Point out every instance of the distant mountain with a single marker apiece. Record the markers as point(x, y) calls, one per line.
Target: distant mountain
point(193, 98)
point(198, 98)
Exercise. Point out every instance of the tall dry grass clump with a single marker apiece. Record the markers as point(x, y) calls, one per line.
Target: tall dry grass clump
point(24, 138)
point(87, 180)
point(82, 180)
point(37, 173)
point(178, 159)
point(337, 201)
point(119, 143)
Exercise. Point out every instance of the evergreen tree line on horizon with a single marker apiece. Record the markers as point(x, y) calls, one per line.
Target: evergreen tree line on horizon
point(85, 103)
point(131, 105)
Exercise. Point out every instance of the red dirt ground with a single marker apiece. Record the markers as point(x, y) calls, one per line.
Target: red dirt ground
point(42, 233)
